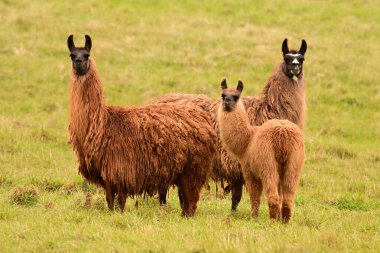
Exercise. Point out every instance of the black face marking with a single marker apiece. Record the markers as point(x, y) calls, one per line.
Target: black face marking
point(80, 60)
point(293, 60)
point(230, 96)
point(229, 101)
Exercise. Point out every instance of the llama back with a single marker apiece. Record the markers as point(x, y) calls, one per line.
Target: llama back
point(285, 137)
point(163, 140)
point(201, 101)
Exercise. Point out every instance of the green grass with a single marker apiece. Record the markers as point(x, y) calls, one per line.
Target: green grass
point(145, 49)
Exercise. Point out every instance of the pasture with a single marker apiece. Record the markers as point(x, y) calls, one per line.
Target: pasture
point(145, 49)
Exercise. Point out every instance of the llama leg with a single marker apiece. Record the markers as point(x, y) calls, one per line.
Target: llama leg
point(180, 197)
point(183, 201)
point(287, 205)
point(254, 188)
point(273, 200)
point(289, 185)
point(110, 195)
point(257, 188)
point(236, 192)
point(270, 183)
point(265, 167)
point(121, 199)
point(163, 196)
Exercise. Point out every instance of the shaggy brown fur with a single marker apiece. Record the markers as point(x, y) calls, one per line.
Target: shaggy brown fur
point(137, 150)
point(283, 97)
point(272, 155)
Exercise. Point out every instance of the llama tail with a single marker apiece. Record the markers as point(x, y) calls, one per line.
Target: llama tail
point(287, 138)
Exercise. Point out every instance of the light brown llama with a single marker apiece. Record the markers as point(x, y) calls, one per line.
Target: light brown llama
point(271, 155)
point(283, 97)
point(136, 150)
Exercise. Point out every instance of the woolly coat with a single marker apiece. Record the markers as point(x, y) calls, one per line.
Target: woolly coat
point(137, 149)
point(282, 98)
point(272, 153)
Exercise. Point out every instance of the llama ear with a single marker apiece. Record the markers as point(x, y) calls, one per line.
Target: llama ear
point(70, 43)
point(223, 84)
point(303, 47)
point(240, 86)
point(285, 48)
point(88, 43)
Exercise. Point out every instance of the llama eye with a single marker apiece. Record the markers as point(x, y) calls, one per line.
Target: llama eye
point(223, 96)
point(236, 98)
point(86, 56)
point(72, 56)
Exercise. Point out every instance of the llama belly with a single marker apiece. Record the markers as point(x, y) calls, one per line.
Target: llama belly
point(143, 170)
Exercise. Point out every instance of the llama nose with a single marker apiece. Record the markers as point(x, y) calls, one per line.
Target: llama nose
point(78, 61)
point(227, 100)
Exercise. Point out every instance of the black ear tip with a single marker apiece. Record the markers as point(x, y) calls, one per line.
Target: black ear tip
point(303, 47)
point(88, 43)
point(223, 83)
point(240, 86)
point(88, 38)
point(285, 48)
point(70, 42)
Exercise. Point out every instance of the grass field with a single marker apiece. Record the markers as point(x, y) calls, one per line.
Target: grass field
point(145, 49)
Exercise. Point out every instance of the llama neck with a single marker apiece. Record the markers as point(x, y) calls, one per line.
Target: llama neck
point(235, 129)
point(87, 106)
point(285, 96)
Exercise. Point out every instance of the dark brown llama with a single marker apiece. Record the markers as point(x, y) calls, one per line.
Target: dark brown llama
point(283, 97)
point(271, 155)
point(136, 150)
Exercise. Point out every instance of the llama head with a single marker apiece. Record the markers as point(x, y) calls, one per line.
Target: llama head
point(230, 96)
point(293, 59)
point(79, 55)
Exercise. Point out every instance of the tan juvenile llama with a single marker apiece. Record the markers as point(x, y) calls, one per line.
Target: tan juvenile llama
point(271, 155)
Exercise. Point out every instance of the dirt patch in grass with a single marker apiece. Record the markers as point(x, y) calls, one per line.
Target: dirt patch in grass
point(49, 186)
point(91, 202)
point(24, 195)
